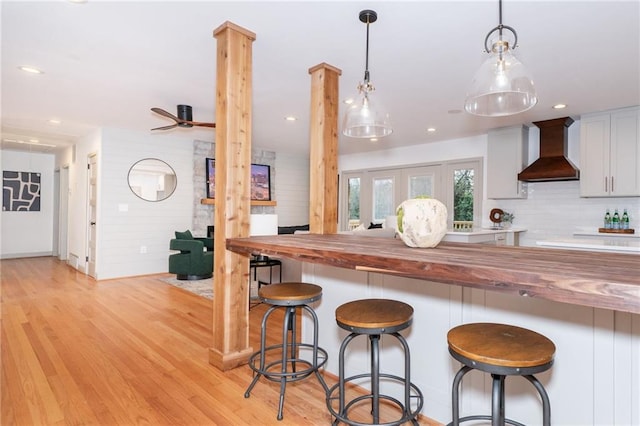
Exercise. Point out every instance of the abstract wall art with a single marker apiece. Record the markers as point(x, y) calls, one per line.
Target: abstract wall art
point(20, 191)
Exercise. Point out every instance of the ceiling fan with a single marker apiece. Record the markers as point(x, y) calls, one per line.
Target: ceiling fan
point(183, 119)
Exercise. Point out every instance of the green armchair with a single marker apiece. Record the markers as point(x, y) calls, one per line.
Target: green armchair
point(193, 262)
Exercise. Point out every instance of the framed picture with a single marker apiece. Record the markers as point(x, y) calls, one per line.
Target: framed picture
point(260, 181)
point(211, 178)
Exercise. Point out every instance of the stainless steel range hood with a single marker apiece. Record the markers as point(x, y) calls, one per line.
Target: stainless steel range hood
point(553, 163)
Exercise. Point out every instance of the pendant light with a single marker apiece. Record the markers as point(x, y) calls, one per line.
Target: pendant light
point(365, 119)
point(502, 85)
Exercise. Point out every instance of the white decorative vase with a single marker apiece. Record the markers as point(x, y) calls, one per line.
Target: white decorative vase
point(422, 222)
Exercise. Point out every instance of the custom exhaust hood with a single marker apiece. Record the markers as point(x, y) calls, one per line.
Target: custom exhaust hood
point(553, 163)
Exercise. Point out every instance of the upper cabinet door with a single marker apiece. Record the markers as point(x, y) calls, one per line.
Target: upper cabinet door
point(506, 157)
point(625, 153)
point(595, 133)
point(610, 154)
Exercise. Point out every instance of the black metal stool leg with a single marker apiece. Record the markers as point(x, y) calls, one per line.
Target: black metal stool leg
point(263, 341)
point(455, 395)
point(316, 351)
point(375, 377)
point(289, 317)
point(546, 404)
point(497, 400)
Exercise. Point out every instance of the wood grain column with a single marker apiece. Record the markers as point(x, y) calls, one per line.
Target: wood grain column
point(233, 197)
point(323, 149)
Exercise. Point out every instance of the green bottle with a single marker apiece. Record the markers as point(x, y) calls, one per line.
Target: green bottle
point(607, 220)
point(625, 220)
point(615, 222)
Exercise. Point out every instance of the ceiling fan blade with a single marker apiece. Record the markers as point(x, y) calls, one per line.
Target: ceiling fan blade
point(166, 114)
point(166, 127)
point(197, 123)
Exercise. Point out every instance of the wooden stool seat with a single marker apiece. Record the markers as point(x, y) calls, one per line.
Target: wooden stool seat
point(290, 293)
point(501, 350)
point(374, 314)
point(501, 345)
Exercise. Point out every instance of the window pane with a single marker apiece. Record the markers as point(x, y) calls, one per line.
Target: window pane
point(463, 194)
point(382, 199)
point(420, 186)
point(354, 199)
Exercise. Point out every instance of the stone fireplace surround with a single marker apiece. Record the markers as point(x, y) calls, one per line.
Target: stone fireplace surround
point(203, 213)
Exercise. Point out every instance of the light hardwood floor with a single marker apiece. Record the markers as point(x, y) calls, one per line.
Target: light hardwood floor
point(131, 351)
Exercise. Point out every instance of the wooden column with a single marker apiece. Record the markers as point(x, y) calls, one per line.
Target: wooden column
point(323, 149)
point(233, 198)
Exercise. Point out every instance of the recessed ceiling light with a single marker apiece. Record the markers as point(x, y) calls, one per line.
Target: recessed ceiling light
point(431, 129)
point(348, 101)
point(54, 121)
point(30, 70)
point(559, 106)
point(290, 118)
point(373, 139)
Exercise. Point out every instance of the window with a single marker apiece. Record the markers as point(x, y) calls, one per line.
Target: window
point(353, 202)
point(464, 193)
point(383, 200)
point(372, 195)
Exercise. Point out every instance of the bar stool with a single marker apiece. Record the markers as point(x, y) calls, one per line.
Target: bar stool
point(285, 361)
point(501, 350)
point(373, 318)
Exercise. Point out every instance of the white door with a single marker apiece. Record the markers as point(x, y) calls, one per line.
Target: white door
point(63, 214)
point(92, 199)
point(422, 182)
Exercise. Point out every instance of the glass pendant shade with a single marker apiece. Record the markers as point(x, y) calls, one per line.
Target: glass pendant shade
point(365, 119)
point(501, 86)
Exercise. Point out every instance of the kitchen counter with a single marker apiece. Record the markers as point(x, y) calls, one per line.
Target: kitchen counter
point(595, 244)
point(508, 236)
point(601, 280)
point(594, 233)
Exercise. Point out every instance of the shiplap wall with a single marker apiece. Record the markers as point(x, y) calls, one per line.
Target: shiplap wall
point(129, 225)
point(292, 181)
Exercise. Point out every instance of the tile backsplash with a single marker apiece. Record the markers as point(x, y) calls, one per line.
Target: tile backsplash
point(556, 210)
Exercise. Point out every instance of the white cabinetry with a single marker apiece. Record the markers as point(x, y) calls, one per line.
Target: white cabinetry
point(610, 154)
point(506, 157)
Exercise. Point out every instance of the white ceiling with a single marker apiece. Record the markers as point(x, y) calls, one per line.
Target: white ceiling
point(107, 63)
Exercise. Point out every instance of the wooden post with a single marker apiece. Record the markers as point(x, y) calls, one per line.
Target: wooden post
point(233, 197)
point(323, 150)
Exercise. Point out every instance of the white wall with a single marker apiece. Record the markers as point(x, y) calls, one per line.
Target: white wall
point(125, 223)
point(28, 234)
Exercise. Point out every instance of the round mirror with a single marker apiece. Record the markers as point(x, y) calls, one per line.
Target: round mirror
point(152, 179)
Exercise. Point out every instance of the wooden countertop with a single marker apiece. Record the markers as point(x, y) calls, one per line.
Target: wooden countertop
point(601, 280)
